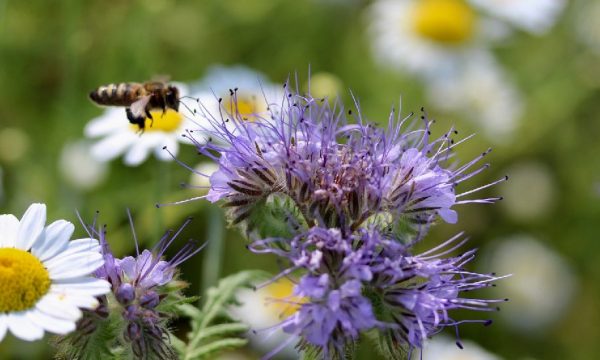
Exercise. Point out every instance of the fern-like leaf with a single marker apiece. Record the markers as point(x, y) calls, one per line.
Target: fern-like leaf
point(212, 330)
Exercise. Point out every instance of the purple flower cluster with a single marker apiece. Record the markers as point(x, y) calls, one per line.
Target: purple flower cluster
point(141, 294)
point(361, 198)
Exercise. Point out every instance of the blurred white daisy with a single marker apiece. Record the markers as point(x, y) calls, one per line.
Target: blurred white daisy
point(445, 348)
point(241, 89)
point(14, 144)
point(429, 37)
point(118, 136)
point(79, 168)
point(531, 192)
point(535, 16)
point(45, 278)
point(200, 177)
point(587, 24)
point(541, 286)
point(262, 309)
point(482, 92)
point(325, 85)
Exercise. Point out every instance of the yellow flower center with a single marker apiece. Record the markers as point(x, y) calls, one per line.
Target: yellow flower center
point(167, 121)
point(23, 280)
point(245, 106)
point(449, 22)
point(283, 289)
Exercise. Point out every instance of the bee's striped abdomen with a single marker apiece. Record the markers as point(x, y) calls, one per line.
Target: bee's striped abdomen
point(122, 94)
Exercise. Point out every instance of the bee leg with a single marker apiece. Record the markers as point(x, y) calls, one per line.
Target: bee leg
point(140, 121)
point(149, 116)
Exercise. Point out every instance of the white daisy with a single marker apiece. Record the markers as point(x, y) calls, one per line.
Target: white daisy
point(45, 278)
point(531, 192)
point(79, 168)
point(483, 93)
point(262, 309)
point(253, 96)
point(541, 286)
point(535, 16)
point(200, 177)
point(428, 37)
point(587, 24)
point(325, 85)
point(120, 137)
point(14, 144)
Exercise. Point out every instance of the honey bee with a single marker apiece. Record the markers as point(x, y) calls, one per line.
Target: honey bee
point(138, 98)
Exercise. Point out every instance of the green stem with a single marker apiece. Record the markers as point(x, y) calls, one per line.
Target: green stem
point(213, 254)
point(161, 182)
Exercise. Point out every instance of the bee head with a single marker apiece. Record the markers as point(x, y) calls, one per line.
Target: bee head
point(172, 97)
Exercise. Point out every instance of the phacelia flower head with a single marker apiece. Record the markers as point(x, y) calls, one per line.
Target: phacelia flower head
point(338, 173)
point(354, 199)
point(143, 289)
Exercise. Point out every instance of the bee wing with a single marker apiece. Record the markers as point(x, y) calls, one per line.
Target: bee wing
point(138, 108)
point(163, 78)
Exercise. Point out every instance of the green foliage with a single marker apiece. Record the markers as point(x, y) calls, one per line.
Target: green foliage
point(385, 345)
point(275, 217)
point(97, 344)
point(212, 330)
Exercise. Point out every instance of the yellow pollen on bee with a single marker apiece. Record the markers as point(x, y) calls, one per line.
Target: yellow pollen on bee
point(23, 280)
point(449, 22)
point(246, 107)
point(168, 121)
point(280, 297)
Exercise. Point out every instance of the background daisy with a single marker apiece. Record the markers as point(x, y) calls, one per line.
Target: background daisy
point(264, 308)
point(535, 16)
point(431, 38)
point(541, 289)
point(252, 91)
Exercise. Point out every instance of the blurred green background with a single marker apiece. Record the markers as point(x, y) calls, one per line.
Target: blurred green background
point(53, 53)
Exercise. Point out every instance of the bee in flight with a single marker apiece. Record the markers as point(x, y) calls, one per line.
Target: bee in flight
point(138, 98)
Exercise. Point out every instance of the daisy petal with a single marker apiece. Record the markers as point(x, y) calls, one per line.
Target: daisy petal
point(23, 328)
point(9, 227)
point(31, 226)
point(75, 265)
point(58, 305)
point(89, 286)
point(113, 120)
point(83, 301)
point(3, 326)
point(50, 323)
point(139, 151)
point(112, 146)
point(79, 246)
point(55, 239)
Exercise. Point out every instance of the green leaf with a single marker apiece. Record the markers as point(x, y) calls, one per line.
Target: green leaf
point(272, 217)
point(212, 328)
point(385, 345)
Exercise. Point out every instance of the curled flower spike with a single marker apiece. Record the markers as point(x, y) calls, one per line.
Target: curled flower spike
point(144, 288)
